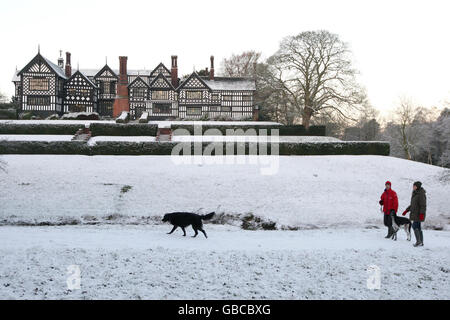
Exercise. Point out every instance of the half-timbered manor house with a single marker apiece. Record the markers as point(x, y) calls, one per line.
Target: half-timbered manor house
point(46, 88)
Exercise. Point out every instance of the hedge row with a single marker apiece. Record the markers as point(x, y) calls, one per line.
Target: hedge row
point(8, 114)
point(39, 128)
point(292, 130)
point(122, 129)
point(143, 129)
point(187, 148)
point(97, 129)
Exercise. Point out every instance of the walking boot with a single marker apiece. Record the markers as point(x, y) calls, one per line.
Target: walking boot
point(421, 238)
point(417, 235)
point(390, 232)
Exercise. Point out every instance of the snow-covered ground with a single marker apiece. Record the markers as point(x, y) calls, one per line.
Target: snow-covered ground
point(35, 137)
point(302, 192)
point(142, 262)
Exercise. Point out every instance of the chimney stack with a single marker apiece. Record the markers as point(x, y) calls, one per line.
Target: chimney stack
point(60, 60)
point(68, 65)
point(174, 71)
point(122, 102)
point(211, 71)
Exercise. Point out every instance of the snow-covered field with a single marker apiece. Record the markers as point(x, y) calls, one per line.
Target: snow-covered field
point(142, 262)
point(303, 192)
point(109, 210)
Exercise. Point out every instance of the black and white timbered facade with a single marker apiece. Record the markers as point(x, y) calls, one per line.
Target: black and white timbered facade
point(44, 88)
point(41, 86)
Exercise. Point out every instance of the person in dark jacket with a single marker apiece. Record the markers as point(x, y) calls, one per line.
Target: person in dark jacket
point(389, 201)
point(418, 208)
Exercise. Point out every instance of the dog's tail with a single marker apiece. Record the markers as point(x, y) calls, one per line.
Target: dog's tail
point(208, 216)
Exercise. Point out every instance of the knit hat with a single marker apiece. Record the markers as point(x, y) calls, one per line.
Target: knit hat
point(388, 182)
point(418, 184)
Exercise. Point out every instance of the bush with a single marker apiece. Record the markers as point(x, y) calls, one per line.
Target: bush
point(335, 148)
point(97, 128)
point(54, 116)
point(44, 147)
point(39, 128)
point(165, 148)
point(26, 115)
point(8, 114)
point(81, 116)
point(144, 117)
point(222, 128)
point(293, 130)
point(124, 117)
point(120, 129)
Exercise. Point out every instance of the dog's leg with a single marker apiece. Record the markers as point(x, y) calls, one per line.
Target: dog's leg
point(184, 231)
point(173, 229)
point(203, 233)
point(408, 231)
point(196, 233)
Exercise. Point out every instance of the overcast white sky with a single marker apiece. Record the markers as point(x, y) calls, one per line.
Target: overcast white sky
point(400, 47)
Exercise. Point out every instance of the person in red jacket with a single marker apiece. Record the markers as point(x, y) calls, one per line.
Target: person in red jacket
point(389, 201)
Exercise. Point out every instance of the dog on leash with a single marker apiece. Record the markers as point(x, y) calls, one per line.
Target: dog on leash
point(184, 219)
point(399, 222)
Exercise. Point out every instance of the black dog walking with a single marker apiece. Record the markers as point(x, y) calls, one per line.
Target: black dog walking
point(184, 219)
point(418, 208)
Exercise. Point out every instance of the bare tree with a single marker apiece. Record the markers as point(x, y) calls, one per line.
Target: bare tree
point(404, 117)
point(240, 65)
point(314, 70)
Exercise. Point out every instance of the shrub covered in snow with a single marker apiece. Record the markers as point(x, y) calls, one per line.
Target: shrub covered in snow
point(120, 129)
point(8, 114)
point(81, 116)
point(44, 147)
point(294, 130)
point(39, 128)
point(165, 148)
point(144, 117)
point(124, 117)
point(54, 116)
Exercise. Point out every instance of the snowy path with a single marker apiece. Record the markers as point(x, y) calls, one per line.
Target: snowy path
point(133, 262)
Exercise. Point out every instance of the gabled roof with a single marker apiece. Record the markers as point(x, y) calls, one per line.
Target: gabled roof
point(161, 76)
point(196, 76)
point(83, 76)
point(152, 74)
point(231, 83)
point(138, 78)
point(59, 72)
point(106, 67)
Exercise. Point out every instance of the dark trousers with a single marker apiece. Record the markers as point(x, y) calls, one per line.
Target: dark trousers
point(416, 225)
point(387, 220)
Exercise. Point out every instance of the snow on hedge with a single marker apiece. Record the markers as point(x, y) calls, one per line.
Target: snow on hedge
point(96, 139)
point(304, 192)
point(294, 139)
point(217, 123)
point(35, 137)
